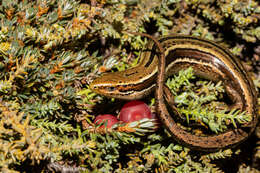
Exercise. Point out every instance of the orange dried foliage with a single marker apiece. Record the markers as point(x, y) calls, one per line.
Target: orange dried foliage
point(9, 13)
point(21, 18)
point(60, 16)
point(57, 68)
point(41, 11)
point(60, 85)
point(78, 69)
point(76, 23)
point(102, 69)
point(126, 128)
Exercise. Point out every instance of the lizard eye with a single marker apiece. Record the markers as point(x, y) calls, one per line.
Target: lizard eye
point(111, 88)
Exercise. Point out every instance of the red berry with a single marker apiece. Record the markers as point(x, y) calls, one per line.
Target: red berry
point(111, 120)
point(134, 111)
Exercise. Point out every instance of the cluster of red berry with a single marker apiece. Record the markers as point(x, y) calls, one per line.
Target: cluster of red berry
point(131, 111)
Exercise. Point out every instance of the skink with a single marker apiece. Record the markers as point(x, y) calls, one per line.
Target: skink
point(209, 60)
